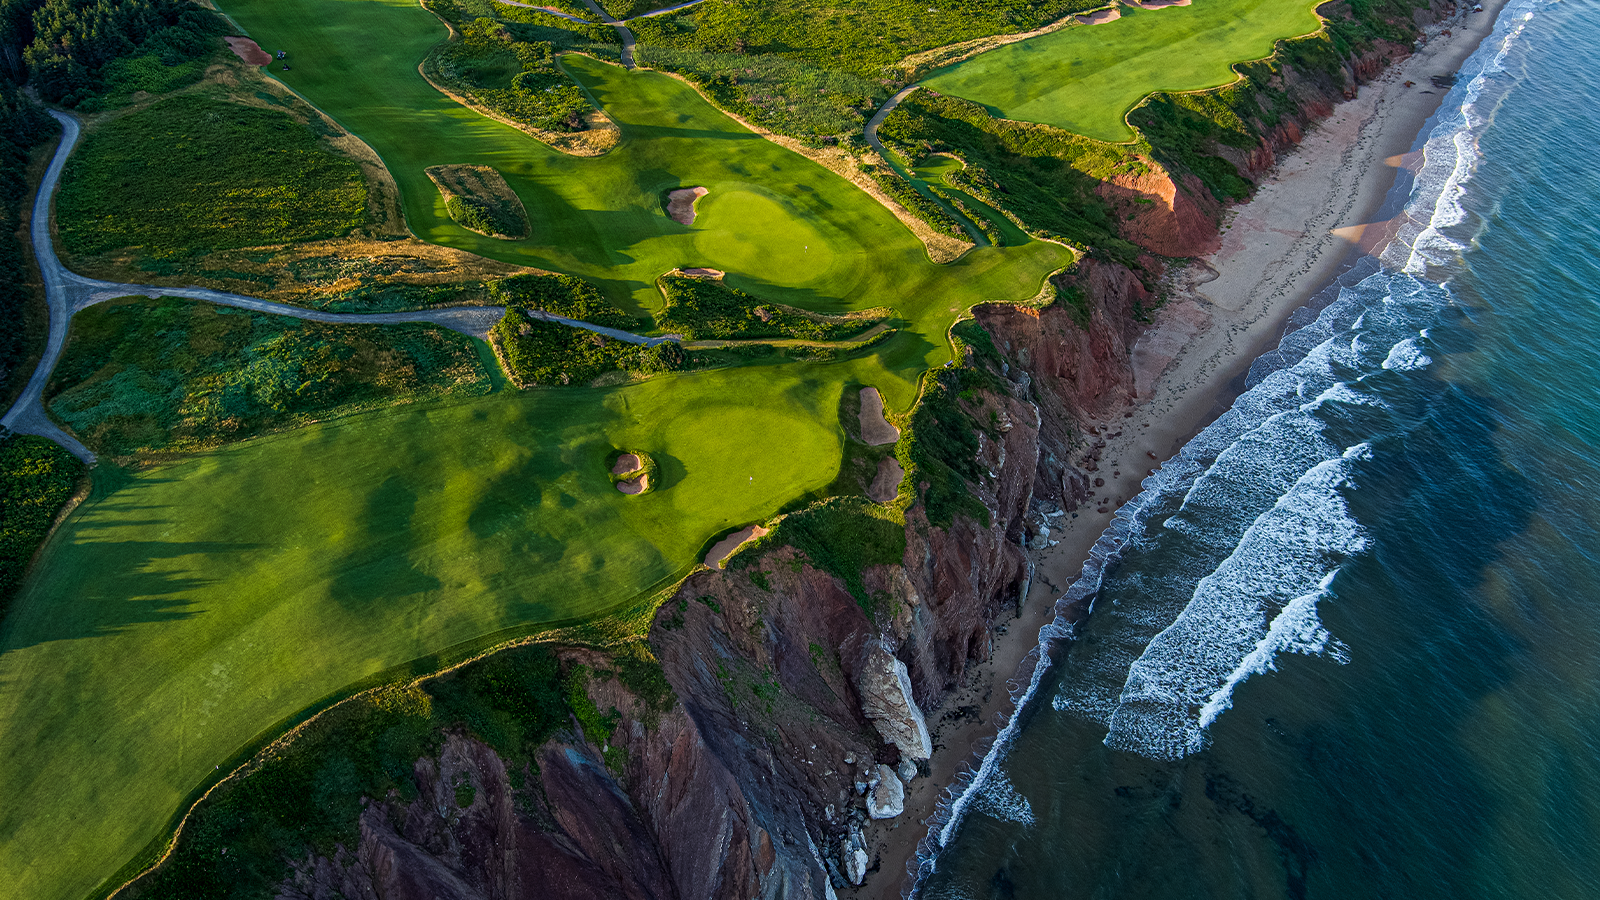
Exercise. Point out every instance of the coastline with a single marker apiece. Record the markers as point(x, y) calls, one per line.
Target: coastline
point(1309, 222)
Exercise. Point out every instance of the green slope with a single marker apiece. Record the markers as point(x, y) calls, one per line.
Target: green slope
point(1086, 78)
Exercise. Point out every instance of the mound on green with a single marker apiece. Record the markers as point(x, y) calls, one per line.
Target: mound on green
point(635, 472)
point(537, 352)
point(139, 376)
point(1085, 78)
point(37, 478)
point(479, 199)
point(561, 295)
point(707, 309)
point(519, 80)
point(191, 175)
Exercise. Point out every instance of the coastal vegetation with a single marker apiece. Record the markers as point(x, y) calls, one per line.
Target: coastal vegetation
point(479, 199)
point(23, 126)
point(141, 376)
point(193, 174)
point(538, 352)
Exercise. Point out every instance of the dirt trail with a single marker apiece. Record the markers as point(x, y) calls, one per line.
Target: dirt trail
point(67, 293)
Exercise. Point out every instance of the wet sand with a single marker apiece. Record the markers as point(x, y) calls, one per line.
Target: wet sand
point(1308, 222)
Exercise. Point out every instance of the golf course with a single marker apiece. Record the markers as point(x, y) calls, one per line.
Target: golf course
point(184, 610)
point(187, 610)
point(1085, 78)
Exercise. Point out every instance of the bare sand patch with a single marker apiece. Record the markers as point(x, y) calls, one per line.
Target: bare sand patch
point(634, 485)
point(1100, 17)
point(721, 550)
point(886, 486)
point(875, 429)
point(681, 203)
point(249, 51)
point(626, 463)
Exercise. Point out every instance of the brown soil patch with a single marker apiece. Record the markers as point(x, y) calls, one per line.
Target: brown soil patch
point(626, 463)
point(875, 429)
point(724, 548)
point(681, 203)
point(702, 273)
point(886, 486)
point(249, 51)
point(634, 485)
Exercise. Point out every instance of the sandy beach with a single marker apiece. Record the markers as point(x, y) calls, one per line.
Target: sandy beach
point(1311, 219)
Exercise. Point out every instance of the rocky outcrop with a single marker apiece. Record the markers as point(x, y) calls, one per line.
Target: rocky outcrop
point(885, 689)
point(886, 795)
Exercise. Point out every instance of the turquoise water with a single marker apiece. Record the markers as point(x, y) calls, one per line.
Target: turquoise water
point(1346, 644)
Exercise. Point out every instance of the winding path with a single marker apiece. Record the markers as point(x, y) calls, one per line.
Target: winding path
point(66, 293)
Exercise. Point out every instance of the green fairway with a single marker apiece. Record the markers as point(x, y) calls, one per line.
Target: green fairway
point(1086, 78)
point(184, 609)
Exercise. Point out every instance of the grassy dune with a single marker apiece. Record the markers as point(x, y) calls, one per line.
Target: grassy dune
point(184, 609)
point(1086, 78)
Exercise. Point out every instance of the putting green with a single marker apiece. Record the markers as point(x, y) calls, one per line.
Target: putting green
point(1085, 78)
point(183, 610)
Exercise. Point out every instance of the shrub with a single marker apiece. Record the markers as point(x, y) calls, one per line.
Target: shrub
point(37, 478)
point(702, 309)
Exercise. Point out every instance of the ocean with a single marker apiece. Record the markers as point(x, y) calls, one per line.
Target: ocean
point(1346, 643)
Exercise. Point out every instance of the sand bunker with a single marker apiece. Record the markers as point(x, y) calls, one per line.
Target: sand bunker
point(875, 429)
point(721, 550)
point(1163, 4)
point(680, 204)
point(1101, 17)
point(249, 51)
point(697, 272)
point(626, 463)
point(634, 485)
point(886, 486)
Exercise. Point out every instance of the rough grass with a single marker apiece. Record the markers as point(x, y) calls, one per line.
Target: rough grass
point(191, 175)
point(808, 68)
point(37, 478)
point(514, 78)
point(561, 295)
point(140, 376)
point(536, 352)
point(479, 199)
point(1085, 78)
point(703, 309)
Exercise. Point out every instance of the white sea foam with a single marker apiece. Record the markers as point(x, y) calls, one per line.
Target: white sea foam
point(999, 798)
point(1286, 553)
point(1407, 356)
point(1296, 629)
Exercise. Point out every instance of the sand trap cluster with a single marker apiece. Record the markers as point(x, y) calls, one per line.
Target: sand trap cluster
point(681, 203)
point(721, 550)
point(249, 51)
point(631, 473)
point(875, 429)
